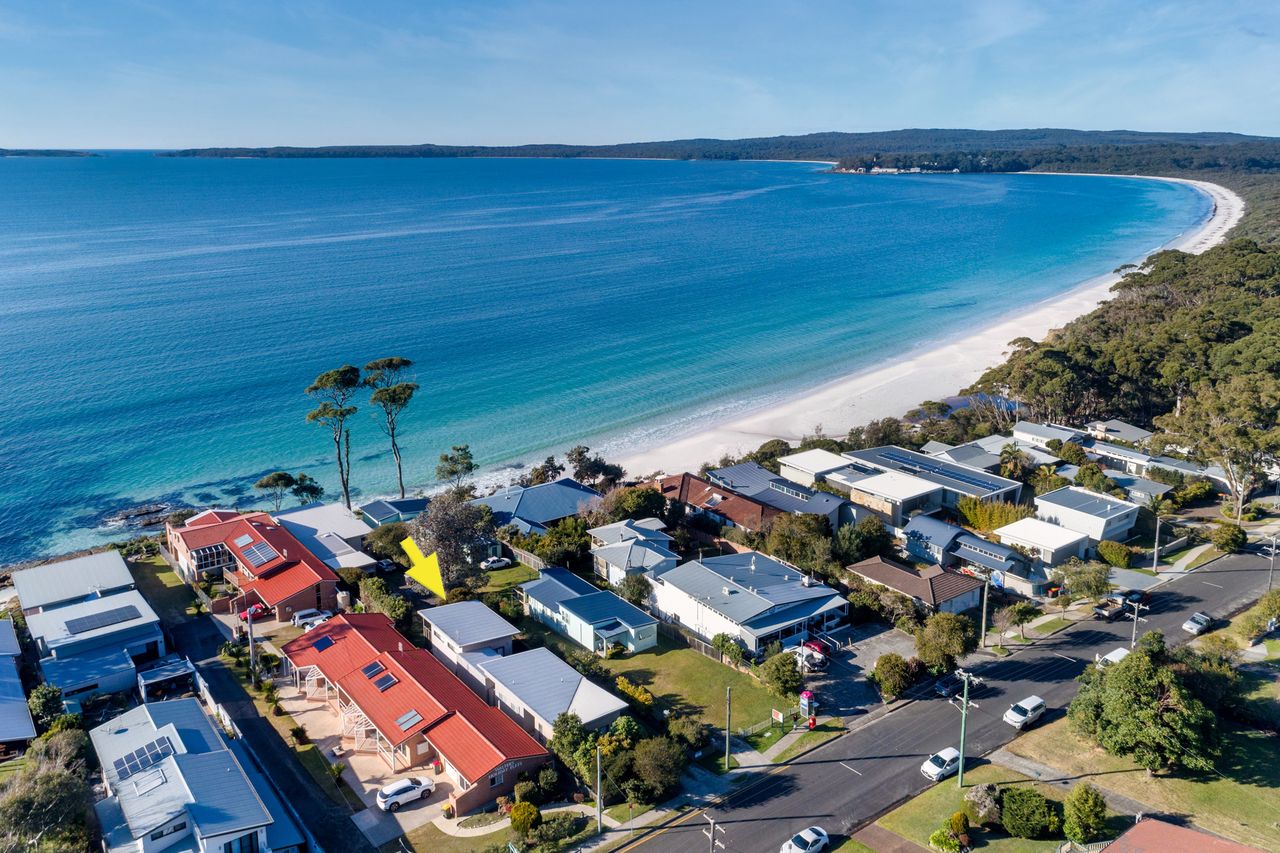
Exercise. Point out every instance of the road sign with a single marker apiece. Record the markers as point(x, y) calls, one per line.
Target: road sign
point(777, 716)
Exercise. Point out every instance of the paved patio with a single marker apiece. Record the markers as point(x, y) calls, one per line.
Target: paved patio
point(365, 772)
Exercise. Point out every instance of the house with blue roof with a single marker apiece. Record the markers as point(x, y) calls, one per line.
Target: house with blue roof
point(173, 782)
point(752, 597)
point(16, 727)
point(532, 509)
point(762, 485)
point(594, 619)
point(390, 510)
point(629, 547)
point(932, 540)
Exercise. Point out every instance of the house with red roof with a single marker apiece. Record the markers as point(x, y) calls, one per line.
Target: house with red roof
point(255, 554)
point(401, 703)
point(722, 505)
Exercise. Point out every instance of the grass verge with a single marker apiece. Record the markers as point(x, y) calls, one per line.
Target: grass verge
point(1052, 626)
point(621, 814)
point(1240, 803)
point(428, 839)
point(1203, 557)
point(820, 735)
point(917, 819)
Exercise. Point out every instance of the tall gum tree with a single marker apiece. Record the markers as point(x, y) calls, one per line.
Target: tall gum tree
point(392, 394)
point(335, 390)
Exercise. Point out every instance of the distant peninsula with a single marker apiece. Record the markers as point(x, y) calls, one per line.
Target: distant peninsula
point(43, 152)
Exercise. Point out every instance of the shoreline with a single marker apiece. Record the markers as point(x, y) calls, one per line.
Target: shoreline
point(890, 390)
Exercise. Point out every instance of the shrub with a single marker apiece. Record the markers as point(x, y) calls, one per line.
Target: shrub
point(1114, 553)
point(944, 841)
point(526, 792)
point(548, 782)
point(1228, 537)
point(45, 704)
point(555, 829)
point(781, 675)
point(907, 624)
point(299, 735)
point(524, 817)
point(729, 647)
point(1084, 814)
point(658, 764)
point(689, 730)
point(982, 804)
point(959, 824)
point(1027, 814)
point(636, 693)
point(351, 576)
point(893, 675)
point(589, 665)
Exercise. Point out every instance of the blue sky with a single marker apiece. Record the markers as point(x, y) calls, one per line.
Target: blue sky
point(119, 74)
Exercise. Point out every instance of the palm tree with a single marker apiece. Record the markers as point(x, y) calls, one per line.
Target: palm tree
point(1013, 462)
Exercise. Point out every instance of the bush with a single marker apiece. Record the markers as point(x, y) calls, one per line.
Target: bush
point(526, 792)
point(45, 704)
point(589, 665)
point(524, 817)
point(982, 805)
point(1027, 814)
point(892, 674)
point(959, 824)
point(556, 829)
point(351, 577)
point(944, 841)
point(1114, 553)
point(781, 675)
point(636, 693)
point(1228, 537)
point(658, 764)
point(548, 782)
point(299, 735)
point(1084, 814)
point(729, 647)
point(690, 731)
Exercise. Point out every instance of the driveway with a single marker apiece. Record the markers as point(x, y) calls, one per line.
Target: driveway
point(843, 690)
point(199, 640)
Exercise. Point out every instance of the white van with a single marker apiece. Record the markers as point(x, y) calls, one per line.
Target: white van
point(1112, 657)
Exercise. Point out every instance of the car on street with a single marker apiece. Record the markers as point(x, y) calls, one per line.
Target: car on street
point(808, 840)
point(941, 764)
point(1198, 623)
point(1137, 596)
point(1112, 657)
point(1109, 609)
point(495, 563)
point(1024, 713)
point(391, 797)
point(953, 685)
point(255, 610)
point(308, 615)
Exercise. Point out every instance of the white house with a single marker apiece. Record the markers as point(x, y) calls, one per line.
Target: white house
point(810, 466)
point(535, 687)
point(750, 596)
point(332, 532)
point(594, 619)
point(1097, 516)
point(465, 635)
point(1041, 434)
point(895, 497)
point(631, 547)
point(1051, 544)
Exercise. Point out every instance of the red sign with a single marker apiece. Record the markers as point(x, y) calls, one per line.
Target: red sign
point(813, 721)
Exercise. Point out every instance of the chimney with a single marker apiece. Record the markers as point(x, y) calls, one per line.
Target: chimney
point(400, 646)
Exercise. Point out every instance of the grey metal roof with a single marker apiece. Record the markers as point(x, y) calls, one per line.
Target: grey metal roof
point(756, 583)
point(637, 553)
point(1122, 430)
point(993, 444)
point(554, 585)
point(468, 623)
point(775, 620)
point(282, 832)
point(222, 800)
point(603, 606)
point(392, 509)
point(629, 528)
point(189, 719)
point(1134, 484)
point(539, 505)
point(85, 668)
point(1116, 451)
point(935, 531)
point(949, 475)
point(69, 580)
point(1046, 432)
point(549, 687)
point(975, 549)
point(9, 646)
point(760, 484)
point(52, 625)
point(15, 718)
point(1083, 500)
point(971, 455)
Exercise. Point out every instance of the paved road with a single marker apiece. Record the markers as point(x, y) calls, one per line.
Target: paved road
point(199, 640)
point(862, 774)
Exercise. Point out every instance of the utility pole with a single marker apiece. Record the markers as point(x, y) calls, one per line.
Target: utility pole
point(728, 724)
point(253, 664)
point(1137, 609)
point(1272, 552)
point(710, 833)
point(967, 678)
point(1155, 552)
point(599, 797)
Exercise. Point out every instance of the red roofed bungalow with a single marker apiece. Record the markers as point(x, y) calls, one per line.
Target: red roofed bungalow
point(725, 506)
point(398, 701)
point(261, 559)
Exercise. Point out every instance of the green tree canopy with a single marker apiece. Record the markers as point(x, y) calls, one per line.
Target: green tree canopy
point(335, 390)
point(391, 394)
point(944, 639)
point(275, 486)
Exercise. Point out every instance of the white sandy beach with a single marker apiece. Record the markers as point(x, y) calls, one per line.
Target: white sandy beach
point(931, 374)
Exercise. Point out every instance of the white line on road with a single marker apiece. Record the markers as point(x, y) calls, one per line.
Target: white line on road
point(1206, 583)
point(1064, 657)
point(847, 767)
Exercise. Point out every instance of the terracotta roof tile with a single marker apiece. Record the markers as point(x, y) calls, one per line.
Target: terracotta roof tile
point(741, 510)
point(1157, 836)
point(933, 585)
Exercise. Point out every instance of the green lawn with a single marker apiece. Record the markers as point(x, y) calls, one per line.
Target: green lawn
point(1240, 804)
point(851, 846)
point(13, 765)
point(162, 588)
point(820, 735)
point(482, 819)
point(917, 819)
point(428, 839)
point(1262, 695)
point(621, 814)
point(683, 681)
point(1204, 557)
point(503, 579)
point(1052, 626)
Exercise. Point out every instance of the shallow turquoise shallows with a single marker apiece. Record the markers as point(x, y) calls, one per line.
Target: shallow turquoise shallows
point(159, 318)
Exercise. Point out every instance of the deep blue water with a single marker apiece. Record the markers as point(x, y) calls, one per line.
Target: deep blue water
point(159, 317)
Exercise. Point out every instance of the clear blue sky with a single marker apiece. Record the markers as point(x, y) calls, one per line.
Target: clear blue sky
point(118, 74)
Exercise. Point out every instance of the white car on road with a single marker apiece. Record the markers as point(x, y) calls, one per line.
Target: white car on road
point(941, 764)
point(402, 791)
point(808, 840)
point(1024, 713)
point(1198, 623)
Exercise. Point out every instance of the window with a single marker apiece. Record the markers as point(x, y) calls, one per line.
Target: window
point(168, 830)
point(495, 780)
point(243, 844)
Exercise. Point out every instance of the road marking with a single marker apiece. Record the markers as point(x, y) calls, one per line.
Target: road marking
point(847, 767)
point(1064, 657)
point(1206, 583)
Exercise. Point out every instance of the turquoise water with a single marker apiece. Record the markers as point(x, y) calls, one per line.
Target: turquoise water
point(160, 317)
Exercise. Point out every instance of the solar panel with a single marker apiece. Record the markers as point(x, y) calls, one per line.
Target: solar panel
point(384, 682)
point(242, 540)
point(145, 756)
point(259, 553)
point(940, 470)
point(373, 669)
point(322, 643)
point(94, 621)
point(409, 720)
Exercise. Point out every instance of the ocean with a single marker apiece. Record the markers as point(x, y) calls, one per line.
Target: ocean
point(160, 317)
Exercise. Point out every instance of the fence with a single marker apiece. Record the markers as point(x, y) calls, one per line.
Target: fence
point(764, 724)
point(529, 558)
